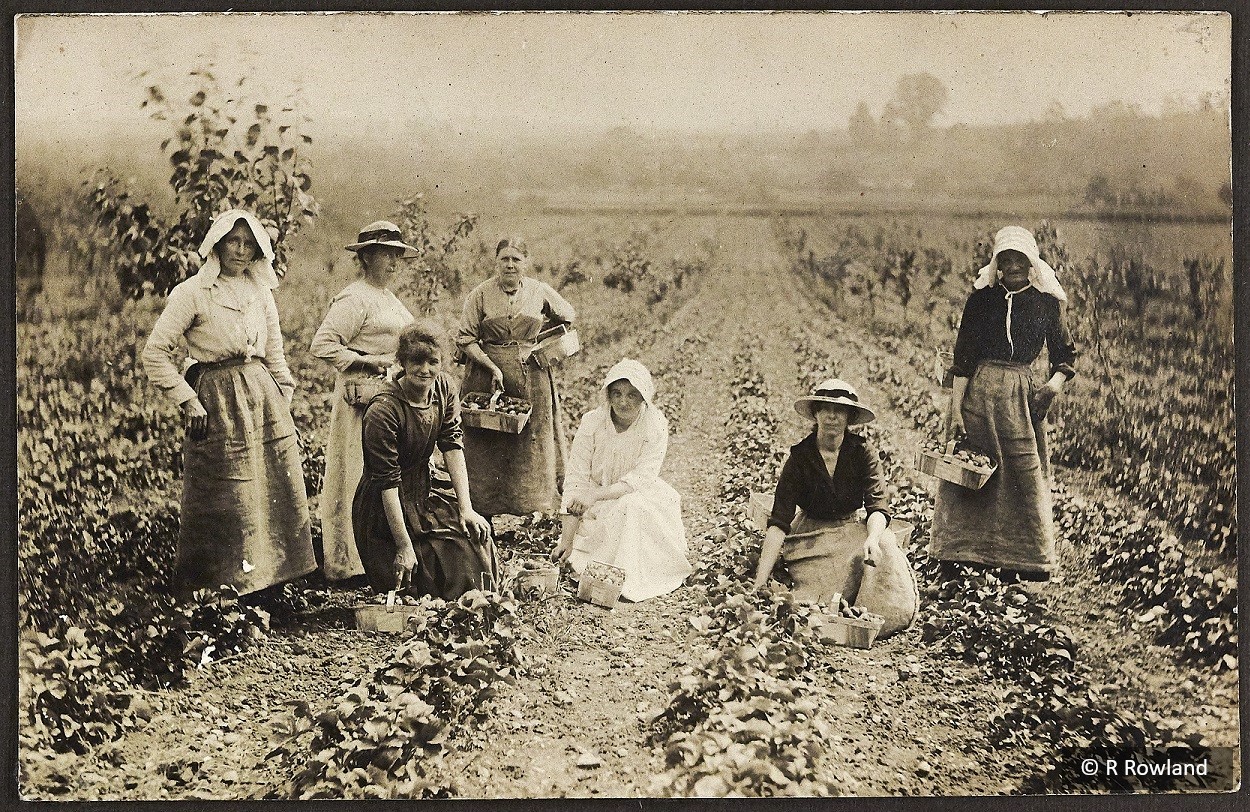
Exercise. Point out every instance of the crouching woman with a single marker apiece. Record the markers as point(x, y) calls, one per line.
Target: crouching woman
point(415, 527)
point(618, 510)
point(830, 474)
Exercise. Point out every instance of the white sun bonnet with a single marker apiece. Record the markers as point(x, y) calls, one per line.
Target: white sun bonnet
point(262, 269)
point(1041, 275)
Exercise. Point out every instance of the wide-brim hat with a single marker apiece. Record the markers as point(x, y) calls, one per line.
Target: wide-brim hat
point(383, 232)
point(837, 391)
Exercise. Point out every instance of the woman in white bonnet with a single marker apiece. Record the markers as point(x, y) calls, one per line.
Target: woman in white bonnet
point(618, 510)
point(1014, 309)
point(244, 516)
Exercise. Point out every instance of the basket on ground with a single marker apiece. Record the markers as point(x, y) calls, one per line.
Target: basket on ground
point(601, 584)
point(950, 468)
point(391, 616)
point(358, 390)
point(497, 412)
point(851, 631)
point(555, 345)
point(536, 578)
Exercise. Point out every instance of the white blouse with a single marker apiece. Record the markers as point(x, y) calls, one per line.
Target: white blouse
point(362, 320)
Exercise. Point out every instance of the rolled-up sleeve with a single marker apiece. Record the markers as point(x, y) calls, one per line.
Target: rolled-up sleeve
point(876, 494)
point(158, 353)
point(786, 498)
point(341, 325)
point(651, 457)
point(556, 307)
point(275, 356)
point(381, 443)
point(471, 319)
point(1060, 346)
point(451, 432)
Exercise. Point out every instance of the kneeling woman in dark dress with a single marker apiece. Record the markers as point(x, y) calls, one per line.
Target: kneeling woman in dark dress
point(415, 529)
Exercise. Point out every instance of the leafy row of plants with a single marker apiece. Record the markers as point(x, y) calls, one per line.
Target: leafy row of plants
point(382, 735)
point(743, 719)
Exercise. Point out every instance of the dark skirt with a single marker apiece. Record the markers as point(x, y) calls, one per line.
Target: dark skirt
point(244, 518)
point(449, 564)
point(516, 473)
point(1009, 522)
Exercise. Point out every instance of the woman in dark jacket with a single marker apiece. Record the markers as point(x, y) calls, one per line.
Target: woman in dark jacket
point(830, 474)
point(1014, 309)
point(415, 530)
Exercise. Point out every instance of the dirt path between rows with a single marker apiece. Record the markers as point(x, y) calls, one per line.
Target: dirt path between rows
point(906, 719)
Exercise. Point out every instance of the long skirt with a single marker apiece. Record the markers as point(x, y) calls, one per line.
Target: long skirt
point(448, 562)
point(516, 473)
point(244, 519)
point(641, 532)
point(345, 464)
point(1009, 522)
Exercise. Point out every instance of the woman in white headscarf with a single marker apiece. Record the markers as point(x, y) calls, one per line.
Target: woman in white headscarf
point(617, 509)
point(244, 516)
point(1014, 309)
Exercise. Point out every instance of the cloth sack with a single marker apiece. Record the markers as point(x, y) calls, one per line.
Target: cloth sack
point(888, 586)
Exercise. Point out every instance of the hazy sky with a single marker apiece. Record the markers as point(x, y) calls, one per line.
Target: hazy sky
point(548, 73)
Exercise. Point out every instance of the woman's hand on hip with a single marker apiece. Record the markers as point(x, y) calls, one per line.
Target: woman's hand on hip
point(196, 418)
point(1043, 398)
point(475, 526)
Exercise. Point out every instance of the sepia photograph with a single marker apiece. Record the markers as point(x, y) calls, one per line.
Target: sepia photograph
point(568, 405)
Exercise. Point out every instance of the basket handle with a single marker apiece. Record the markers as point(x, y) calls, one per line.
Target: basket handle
point(390, 601)
point(950, 448)
point(494, 399)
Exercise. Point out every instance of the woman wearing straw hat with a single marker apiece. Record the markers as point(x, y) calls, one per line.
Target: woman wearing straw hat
point(513, 473)
point(830, 474)
point(1014, 309)
point(244, 515)
point(359, 335)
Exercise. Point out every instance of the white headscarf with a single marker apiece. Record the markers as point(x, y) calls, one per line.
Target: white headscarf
point(261, 270)
point(633, 371)
point(1041, 275)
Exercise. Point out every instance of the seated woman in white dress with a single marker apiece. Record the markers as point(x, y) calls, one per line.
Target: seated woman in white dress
point(617, 509)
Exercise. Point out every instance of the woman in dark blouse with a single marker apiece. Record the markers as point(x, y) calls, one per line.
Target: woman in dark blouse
point(1014, 309)
point(830, 501)
point(414, 529)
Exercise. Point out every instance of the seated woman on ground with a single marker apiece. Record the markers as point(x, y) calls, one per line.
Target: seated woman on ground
point(617, 510)
point(830, 474)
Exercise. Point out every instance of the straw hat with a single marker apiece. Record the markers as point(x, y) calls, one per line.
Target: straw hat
point(383, 232)
point(838, 391)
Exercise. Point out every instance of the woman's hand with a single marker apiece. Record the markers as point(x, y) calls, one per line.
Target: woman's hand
point(872, 549)
point(562, 551)
point(405, 562)
point(496, 378)
point(1044, 397)
point(475, 526)
point(196, 418)
point(955, 424)
point(580, 504)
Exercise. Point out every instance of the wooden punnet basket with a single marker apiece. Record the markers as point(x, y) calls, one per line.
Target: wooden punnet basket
point(949, 469)
point(389, 617)
point(537, 578)
point(601, 584)
point(560, 343)
point(851, 631)
point(492, 419)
